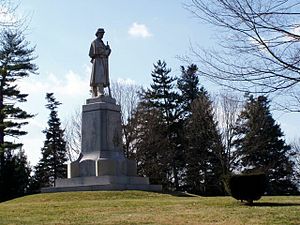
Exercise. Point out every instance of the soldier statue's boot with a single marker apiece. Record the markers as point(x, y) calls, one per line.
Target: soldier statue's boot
point(94, 92)
point(100, 90)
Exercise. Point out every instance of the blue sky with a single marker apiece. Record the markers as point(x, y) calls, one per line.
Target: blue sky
point(139, 33)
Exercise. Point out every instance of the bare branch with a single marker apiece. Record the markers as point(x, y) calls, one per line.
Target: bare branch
point(260, 46)
point(73, 135)
point(227, 109)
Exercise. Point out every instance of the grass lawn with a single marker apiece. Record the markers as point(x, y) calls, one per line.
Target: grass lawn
point(137, 207)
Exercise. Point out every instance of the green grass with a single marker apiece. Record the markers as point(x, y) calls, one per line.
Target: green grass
point(136, 207)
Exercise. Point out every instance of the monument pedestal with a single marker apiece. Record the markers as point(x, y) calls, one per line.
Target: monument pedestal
point(102, 164)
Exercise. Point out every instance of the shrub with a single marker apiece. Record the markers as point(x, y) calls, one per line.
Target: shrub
point(248, 187)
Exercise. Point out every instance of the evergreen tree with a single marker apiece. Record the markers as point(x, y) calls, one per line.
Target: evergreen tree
point(16, 176)
point(162, 95)
point(150, 144)
point(188, 84)
point(162, 99)
point(51, 166)
point(261, 147)
point(203, 149)
point(202, 141)
point(15, 63)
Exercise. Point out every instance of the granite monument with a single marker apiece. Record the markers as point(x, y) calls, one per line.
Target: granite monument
point(101, 164)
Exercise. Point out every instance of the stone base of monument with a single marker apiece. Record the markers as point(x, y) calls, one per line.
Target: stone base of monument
point(102, 164)
point(103, 183)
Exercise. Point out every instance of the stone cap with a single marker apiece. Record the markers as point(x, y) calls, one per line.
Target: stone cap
point(103, 98)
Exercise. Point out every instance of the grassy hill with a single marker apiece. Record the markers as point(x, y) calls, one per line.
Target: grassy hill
point(137, 207)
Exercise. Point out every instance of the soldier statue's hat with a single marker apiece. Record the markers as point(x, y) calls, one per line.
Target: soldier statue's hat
point(100, 30)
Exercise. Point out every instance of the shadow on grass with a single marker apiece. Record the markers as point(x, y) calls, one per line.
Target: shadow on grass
point(273, 204)
point(180, 194)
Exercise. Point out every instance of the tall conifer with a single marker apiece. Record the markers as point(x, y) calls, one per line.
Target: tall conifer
point(261, 146)
point(201, 139)
point(203, 149)
point(163, 99)
point(150, 145)
point(188, 84)
point(15, 63)
point(51, 166)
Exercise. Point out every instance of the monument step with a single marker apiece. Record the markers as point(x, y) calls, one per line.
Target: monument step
point(101, 180)
point(108, 187)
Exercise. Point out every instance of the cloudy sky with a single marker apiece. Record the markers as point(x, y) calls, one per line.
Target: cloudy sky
point(139, 32)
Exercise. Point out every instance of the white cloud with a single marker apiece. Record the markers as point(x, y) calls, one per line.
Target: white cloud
point(36, 124)
point(296, 30)
point(139, 31)
point(70, 84)
point(70, 88)
point(32, 146)
point(126, 81)
point(74, 84)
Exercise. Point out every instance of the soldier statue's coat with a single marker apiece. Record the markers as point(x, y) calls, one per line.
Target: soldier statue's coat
point(99, 53)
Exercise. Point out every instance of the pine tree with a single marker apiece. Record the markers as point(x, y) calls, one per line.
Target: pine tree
point(16, 176)
point(162, 98)
point(15, 63)
point(150, 144)
point(51, 166)
point(188, 84)
point(161, 95)
point(203, 149)
point(261, 146)
point(201, 138)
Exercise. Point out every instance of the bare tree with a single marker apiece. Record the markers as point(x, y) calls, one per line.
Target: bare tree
point(296, 158)
point(227, 109)
point(291, 101)
point(126, 96)
point(73, 135)
point(11, 18)
point(260, 43)
point(8, 17)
